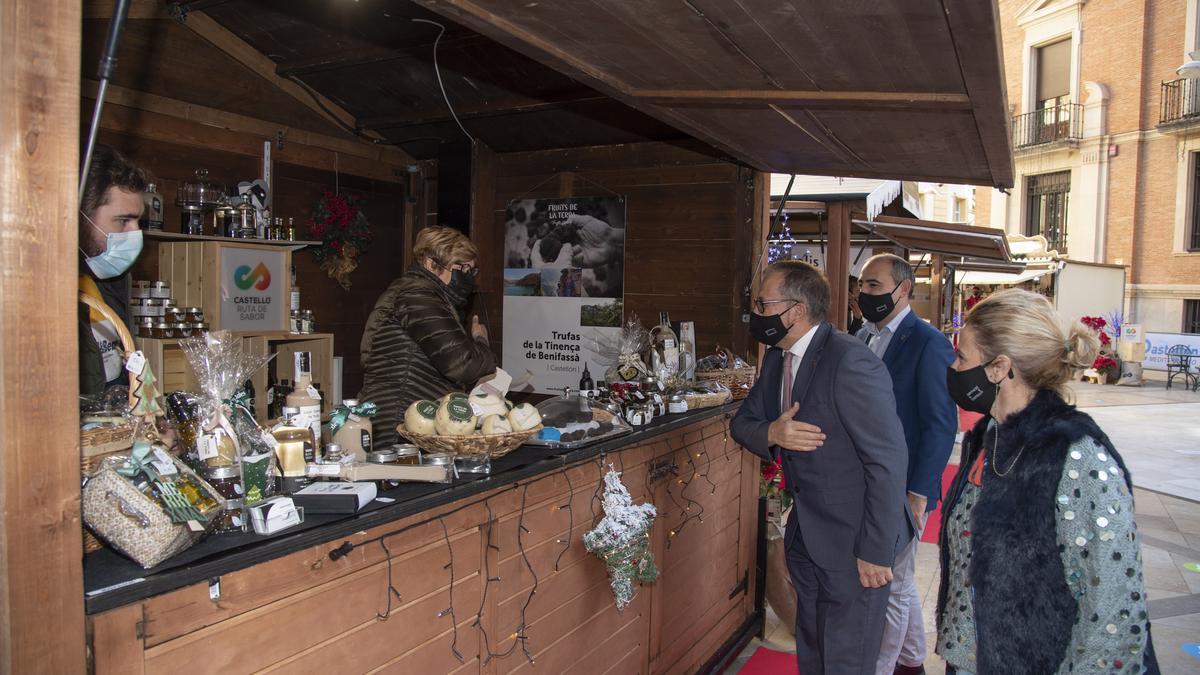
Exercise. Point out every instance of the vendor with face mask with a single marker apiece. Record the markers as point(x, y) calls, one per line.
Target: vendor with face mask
point(415, 345)
point(109, 243)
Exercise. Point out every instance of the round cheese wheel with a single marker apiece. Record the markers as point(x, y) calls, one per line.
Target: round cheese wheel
point(454, 418)
point(488, 404)
point(421, 417)
point(496, 424)
point(523, 417)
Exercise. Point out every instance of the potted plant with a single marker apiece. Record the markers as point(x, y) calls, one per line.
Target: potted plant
point(1107, 363)
point(1108, 367)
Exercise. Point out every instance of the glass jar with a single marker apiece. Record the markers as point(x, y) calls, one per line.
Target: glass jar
point(160, 290)
point(182, 329)
point(333, 454)
point(140, 289)
point(199, 327)
point(175, 315)
point(152, 308)
point(407, 454)
point(227, 481)
point(294, 322)
point(136, 308)
point(383, 457)
point(194, 315)
point(473, 464)
point(441, 459)
point(163, 331)
point(677, 403)
point(146, 327)
point(307, 323)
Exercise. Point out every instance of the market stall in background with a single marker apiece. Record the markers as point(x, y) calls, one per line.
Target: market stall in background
point(238, 514)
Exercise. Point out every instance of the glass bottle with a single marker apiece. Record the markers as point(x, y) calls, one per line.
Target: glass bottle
point(354, 436)
point(294, 449)
point(305, 396)
point(665, 356)
point(585, 382)
point(687, 350)
point(152, 215)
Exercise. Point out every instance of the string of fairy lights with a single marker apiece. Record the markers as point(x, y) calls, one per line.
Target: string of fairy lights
point(688, 511)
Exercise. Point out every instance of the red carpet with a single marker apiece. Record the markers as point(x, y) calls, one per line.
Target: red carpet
point(933, 524)
point(769, 662)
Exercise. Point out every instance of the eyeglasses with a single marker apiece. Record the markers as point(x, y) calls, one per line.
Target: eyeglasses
point(761, 305)
point(467, 269)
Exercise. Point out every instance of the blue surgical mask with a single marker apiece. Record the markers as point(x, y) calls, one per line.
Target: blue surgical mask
point(120, 251)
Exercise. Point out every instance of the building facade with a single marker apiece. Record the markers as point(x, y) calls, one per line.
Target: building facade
point(1106, 140)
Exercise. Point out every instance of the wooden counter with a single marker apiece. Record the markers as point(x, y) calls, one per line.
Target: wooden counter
point(518, 530)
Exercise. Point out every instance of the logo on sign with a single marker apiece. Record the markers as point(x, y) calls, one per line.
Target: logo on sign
point(259, 277)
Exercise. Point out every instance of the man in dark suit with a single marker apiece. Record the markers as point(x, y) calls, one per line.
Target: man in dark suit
point(916, 356)
point(824, 403)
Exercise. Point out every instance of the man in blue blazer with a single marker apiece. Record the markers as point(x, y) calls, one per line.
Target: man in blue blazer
point(823, 402)
point(916, 355)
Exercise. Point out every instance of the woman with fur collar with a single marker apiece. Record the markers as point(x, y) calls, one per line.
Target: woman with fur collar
point(1040, 557)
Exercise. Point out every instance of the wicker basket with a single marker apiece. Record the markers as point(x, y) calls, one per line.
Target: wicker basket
point(698, 401)
point(96, 444)
point(495, 445)
point(738, 380)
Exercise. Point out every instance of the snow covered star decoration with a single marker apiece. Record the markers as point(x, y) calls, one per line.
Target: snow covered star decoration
point(622, 538)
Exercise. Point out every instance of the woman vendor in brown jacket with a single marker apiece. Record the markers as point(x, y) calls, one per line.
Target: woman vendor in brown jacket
point(415, 346)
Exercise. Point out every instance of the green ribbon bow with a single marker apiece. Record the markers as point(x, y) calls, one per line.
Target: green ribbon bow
point(337, 418)
point(138, 462)
point(239, 400)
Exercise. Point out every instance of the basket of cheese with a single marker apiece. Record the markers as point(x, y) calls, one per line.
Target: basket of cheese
point(475, 424)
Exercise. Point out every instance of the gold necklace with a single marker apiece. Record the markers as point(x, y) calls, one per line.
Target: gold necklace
point(996, 455)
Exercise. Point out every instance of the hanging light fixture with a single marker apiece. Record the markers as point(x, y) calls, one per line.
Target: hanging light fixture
point(1190, 69)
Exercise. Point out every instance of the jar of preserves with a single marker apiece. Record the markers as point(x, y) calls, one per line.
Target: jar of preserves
point(227, 480)
point(175, 315)
point(199, 327)
point(140, 289)
point(160, 290)
point(153, 307)
point(163, 331)
point(407, 454)
point(294, 322)
point(146, 327)
point(194, 315)
point(307, 323)
point(182, 329)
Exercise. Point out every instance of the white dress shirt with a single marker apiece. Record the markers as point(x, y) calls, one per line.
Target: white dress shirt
point(879, 339)
point(798, 351)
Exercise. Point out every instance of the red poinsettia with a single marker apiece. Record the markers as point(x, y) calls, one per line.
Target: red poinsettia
point(1104, 364)
point(773, 483)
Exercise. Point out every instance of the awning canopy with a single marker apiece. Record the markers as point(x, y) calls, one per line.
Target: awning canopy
point(930, 236)
point(977, 278)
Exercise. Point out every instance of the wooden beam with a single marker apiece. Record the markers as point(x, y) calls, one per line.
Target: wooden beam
point(837, 262)
point(366, 54)
point(215, 117)
point(206, 27)
point(41, 547)
point(873, 99)
point(138, 9)
point(189, 133)
point(491, 109)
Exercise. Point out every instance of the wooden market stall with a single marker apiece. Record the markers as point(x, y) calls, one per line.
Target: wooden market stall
point(681, 108)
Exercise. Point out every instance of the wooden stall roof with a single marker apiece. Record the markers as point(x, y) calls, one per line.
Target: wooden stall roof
point(882, 89)
point(931, 236)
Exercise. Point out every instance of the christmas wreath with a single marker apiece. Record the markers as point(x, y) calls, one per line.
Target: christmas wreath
point(339, 223)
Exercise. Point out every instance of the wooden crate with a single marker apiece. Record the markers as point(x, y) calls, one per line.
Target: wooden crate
point(193, 270)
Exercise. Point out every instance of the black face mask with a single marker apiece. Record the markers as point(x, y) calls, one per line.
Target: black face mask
point(971, 389)
point(875, 308)
point(769, 330)
point(460, 288)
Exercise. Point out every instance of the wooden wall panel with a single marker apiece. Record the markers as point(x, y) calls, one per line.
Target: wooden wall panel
point(41, 578)
point(687, 236)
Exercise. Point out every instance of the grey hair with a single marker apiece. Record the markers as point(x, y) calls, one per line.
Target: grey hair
point(804, 283)
point(901, 270)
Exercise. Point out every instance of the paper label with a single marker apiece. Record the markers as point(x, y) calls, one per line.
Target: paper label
point(208, 447)
point(476, 409)
point(162, 455)
point(427, 409)
point(313, 393)
point(458, 410)
point(136, 362)
point(164, 468)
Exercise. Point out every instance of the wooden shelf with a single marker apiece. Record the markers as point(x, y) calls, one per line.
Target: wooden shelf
point(179, 236)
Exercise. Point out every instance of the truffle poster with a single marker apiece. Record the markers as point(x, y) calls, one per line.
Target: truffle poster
point(564, 276)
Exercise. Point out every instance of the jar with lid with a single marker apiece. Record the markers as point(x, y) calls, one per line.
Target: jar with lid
point(136, 307)
point(473, 464)
point(160, 290)
point(677, 403)
point(140, 289)
point(294, 322)
point(307, 322)
point(163, 331)
point(183, 329)
point(146, 327)
point(153, 307)
point(227, 480)
point(441, 459)
point(175, 315)
point(193, 315)
point(199, 327)
point(333, 454)
point(200, 192)
point(407, 454)
point(387, 456)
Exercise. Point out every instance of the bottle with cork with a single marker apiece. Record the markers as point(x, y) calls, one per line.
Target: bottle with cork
point(305, 396)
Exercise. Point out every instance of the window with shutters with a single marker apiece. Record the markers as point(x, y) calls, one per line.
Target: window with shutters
point(1191, 316)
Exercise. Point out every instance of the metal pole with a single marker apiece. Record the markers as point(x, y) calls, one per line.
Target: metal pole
point(105, 71)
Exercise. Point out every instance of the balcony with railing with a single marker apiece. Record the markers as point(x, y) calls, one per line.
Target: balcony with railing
point(1180, 104)
point(1060, 124)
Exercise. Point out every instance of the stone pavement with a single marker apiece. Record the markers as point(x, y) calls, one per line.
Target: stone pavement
point(1157, 432)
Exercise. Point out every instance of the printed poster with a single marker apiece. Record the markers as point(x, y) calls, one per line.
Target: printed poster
point(564, 277)
point(252, 294)
point(1157, 345)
